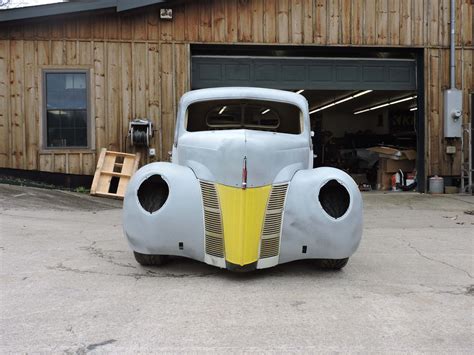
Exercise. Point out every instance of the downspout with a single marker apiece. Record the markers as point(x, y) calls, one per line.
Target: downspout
point(452, 57)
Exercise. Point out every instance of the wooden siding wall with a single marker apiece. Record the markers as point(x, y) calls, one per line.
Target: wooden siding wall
point(140, 65)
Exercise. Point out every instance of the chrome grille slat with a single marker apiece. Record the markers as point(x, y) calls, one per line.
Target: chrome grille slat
point(271, 231)
point(214, 243)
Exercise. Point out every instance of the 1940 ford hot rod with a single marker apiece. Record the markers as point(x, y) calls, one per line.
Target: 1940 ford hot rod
point(241, 192)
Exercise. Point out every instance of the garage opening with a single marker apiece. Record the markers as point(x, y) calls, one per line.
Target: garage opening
point(366, 105)
point(370, 134)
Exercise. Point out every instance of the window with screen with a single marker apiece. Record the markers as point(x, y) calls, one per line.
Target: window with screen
point(66, 109)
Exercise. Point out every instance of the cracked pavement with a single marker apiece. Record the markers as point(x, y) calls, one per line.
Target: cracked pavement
point(69, 284)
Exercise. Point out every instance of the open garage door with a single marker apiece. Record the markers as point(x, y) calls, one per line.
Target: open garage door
point(292, 73)
point(356, 104)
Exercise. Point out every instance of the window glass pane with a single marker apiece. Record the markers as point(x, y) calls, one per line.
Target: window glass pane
point(225, 116)
point(66, 128)
point(66, 91)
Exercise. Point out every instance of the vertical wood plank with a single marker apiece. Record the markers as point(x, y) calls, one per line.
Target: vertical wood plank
point(269, 22)
point(70, 27)
point(231, 21)
point(283, 21)
point(334, 22)
point(179, 22)
point(245, 21)
point(308, 21)
point(347, 17)
point(113, 94)
point(4, 103)
point(71, 52)
point(205, 21)
point(16, 104)
point(320, 18)
point(394, 22)
point(30, 106)
point(153, 25)
point(100, 95)
point(44, 53)
point(56, 29)
point(112, 27)
point(467, 17)
point(84, 26)
point(139, 21)
point(405, 22)
point(381, 21)
point(357, 22)
point(257, 20)
point(433, 96)
point(126, 27)
point(154, 96)
point(370, 33)
point(85, 53)
point(88, 163)
point(444, 20)
point(60, 163)
point(218, 22)
point(74, 163)
point(418, 22)
point(126, 77)
point(58, 52)
point(139, 79)
point(296, 9)
point(433, 22)
point(167, 98)
point(98, 28)
point(46, 162)
point(192, 21)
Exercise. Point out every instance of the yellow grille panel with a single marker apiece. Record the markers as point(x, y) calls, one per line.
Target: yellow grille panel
point(212, 220)
point(270, 243)
point(243, 211)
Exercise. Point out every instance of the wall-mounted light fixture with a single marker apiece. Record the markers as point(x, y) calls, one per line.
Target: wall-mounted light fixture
point(166, 14)
point(413, 108)
point(340, 101)
point(385, 104)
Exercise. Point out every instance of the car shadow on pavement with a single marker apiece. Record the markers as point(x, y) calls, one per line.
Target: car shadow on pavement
point(190, 268)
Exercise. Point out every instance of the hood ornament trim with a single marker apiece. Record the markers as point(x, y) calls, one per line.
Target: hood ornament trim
point(244, 174)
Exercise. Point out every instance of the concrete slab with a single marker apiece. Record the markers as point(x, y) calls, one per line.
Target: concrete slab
point(69, 283)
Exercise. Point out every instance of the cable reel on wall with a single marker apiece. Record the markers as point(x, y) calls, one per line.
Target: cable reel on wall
point(140, 132)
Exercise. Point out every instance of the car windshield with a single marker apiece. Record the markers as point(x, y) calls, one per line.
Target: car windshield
point(248, 114)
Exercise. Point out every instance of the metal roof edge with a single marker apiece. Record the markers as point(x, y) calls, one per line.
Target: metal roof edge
point(61, 8)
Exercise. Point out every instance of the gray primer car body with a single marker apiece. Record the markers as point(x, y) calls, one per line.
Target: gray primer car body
point(210, 163)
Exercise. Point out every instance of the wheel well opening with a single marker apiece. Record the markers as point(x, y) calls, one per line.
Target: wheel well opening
point(334, 198)
point(153, 193)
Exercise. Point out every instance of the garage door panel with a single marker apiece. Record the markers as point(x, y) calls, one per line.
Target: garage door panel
point(320, 73)
point(293, 73)
point(347, 73)
point(238, 72)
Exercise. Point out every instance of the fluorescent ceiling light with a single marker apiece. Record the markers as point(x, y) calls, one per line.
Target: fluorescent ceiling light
point(300, 91)
point(222, 110)
point(413, 108)
point(340, 101)
point(266, 111)
point(385, 104)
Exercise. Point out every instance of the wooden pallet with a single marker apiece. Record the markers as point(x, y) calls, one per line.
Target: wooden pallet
point(113, 164)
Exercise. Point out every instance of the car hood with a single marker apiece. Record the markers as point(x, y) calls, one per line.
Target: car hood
point(218, 156)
